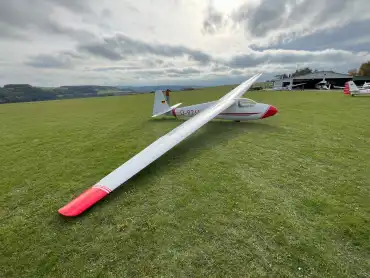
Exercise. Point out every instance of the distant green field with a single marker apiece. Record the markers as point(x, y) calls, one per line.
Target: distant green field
point(287, 196)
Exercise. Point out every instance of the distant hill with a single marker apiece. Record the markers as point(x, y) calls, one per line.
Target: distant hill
point(26, 93)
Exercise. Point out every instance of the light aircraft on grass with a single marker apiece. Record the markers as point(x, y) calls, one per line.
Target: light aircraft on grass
point(230, 107)
point(346, 87)
point(287, 88)
point(323, 85)
point(366, 85)
point(352, 89)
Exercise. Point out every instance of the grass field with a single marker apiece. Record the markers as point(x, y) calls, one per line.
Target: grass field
point(288, 196)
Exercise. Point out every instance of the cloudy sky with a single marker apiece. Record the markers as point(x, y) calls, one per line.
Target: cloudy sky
point(121, 42)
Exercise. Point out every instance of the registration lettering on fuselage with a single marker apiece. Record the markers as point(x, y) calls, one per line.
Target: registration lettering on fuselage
point(190, 112)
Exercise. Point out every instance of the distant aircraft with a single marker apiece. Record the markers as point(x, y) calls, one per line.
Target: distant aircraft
point(366, 85)
point(231, 107)
point(286, 88)
point(323, 85)
point(354, 90)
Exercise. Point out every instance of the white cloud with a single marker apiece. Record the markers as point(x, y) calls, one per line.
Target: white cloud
point(149, 41)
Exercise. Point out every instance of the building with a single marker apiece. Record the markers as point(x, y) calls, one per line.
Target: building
point(311, 79)
point(360, 80)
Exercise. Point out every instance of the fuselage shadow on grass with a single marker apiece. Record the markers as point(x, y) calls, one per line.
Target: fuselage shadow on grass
point(213, 133)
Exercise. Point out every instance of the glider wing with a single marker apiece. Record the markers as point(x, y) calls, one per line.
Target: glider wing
point(152, 152)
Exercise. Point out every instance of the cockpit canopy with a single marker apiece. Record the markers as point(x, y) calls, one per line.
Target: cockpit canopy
point(246, 102)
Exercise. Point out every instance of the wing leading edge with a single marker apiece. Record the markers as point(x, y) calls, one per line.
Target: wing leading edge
point(152, 152)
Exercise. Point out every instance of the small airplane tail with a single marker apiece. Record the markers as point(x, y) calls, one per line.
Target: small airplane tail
point(352, 87)
point(161, 105)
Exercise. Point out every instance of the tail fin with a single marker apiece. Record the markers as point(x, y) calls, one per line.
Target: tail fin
point(352, 87)
point(161, 105)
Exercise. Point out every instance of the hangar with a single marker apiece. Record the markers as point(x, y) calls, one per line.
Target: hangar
point(359, 80)
point(311, 79)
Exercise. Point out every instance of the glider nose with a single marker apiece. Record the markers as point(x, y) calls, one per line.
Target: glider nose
point(271, 111)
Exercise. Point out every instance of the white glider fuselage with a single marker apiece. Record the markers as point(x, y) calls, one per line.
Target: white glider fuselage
point(242, 110)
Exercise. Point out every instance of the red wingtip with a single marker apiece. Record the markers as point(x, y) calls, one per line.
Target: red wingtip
point(83, 202)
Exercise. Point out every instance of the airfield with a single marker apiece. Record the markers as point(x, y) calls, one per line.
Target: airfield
point(286, 196)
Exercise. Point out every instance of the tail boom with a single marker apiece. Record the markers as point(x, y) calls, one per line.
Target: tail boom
point(169, 110)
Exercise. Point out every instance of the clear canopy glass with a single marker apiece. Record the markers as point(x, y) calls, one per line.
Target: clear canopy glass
point(246, 102)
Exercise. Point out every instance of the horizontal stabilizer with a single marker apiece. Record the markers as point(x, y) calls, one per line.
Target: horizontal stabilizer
point(167, 110)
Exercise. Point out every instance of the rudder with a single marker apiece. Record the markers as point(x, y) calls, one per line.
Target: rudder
point(160, 104)
point(352, 87)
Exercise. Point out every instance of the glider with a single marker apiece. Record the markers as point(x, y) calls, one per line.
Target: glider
point(230, 106)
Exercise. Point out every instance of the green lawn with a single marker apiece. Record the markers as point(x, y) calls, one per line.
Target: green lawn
point(288, 196)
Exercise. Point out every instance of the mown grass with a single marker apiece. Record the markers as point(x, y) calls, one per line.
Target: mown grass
point(287, 196)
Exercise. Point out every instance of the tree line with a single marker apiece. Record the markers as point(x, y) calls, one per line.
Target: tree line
point(364, 70)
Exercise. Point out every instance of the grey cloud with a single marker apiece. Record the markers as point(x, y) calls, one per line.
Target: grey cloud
point(219, 68)
point(78, 34)
point(157, 61)
point(117, 68)
point(106, 13)
point(131, 7)
point(7, 33)
point(281, 20)
point(80, 6)
point(62, 60)
point(213, 21)
point(150, 62)
point(271, 15)
point(119, 47)
point(20, 16)
point(175, 72)
point(291, 57)
point(122, 48)
point(183, 71)
point(236, 72)
point(141, 69)
point(107, 51)
point(351, 37)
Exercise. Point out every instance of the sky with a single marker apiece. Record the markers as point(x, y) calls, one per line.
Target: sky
point(185, 42)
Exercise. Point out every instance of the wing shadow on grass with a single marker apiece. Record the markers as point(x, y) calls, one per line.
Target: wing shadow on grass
point(210, 135)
